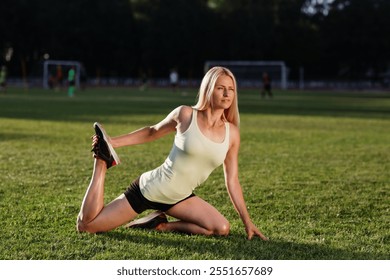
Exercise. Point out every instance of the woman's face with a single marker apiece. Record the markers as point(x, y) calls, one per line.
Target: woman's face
point(223, 94)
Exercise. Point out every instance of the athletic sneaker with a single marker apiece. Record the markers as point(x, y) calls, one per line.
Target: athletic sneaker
point(151, 221)
point(103, 149)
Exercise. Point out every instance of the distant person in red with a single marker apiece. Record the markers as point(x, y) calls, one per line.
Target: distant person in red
point(266, 86)
point(59, 77)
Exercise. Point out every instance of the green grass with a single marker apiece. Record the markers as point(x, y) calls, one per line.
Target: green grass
point(314, 167)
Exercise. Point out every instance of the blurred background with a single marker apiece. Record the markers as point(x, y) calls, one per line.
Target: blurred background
point(321, 43)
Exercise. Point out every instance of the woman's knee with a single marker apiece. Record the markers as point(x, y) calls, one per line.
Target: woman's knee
point(222, 229)
point(82, 226)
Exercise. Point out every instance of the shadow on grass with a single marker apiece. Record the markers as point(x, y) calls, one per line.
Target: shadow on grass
point(234, 247)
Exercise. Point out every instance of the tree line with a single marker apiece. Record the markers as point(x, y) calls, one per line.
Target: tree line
point(340, 39)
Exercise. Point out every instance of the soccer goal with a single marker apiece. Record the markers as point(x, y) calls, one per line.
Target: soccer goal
point(51, 67)
point(250, 73)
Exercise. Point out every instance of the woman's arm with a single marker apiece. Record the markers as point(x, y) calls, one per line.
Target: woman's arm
point(149, 133)
point(233, 184)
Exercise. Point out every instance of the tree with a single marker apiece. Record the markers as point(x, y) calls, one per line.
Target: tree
point(331, 39)
point(353, 38)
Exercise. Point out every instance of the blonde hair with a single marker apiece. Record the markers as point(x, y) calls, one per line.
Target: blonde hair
point(206, 90)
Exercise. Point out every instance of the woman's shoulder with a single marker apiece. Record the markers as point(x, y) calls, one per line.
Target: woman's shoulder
point(233, 127)
point(181, 114)
point(234, 132)
point(185, 108)
point(184, 111)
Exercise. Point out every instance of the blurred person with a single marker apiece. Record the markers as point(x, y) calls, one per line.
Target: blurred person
point(144, 81)
point(266, 86)
point(3, 78)
point(71, 81)
point(59, 77)
point(174, 79)
point(206, 136)
point(52, 81)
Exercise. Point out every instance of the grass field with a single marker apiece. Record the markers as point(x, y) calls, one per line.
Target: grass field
point(314, 167)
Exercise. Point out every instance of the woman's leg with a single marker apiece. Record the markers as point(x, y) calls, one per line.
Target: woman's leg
point(94, 216)
point(196, 216)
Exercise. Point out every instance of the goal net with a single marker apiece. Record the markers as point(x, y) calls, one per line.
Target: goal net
point(52, 68)
point(250, 73)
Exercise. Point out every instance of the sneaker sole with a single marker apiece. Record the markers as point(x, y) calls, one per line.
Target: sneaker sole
point(117, 161)
point(144, 220)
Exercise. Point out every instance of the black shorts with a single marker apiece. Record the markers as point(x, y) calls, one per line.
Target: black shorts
point(139, 203)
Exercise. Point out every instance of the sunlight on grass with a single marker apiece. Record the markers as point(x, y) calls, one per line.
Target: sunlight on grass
point(314, 168)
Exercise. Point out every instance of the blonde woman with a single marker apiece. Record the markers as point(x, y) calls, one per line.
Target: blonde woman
point(206, 136)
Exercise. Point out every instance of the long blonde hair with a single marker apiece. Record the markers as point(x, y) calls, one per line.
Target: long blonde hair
point(206, 90)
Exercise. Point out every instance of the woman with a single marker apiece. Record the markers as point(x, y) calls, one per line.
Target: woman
point(207, 136)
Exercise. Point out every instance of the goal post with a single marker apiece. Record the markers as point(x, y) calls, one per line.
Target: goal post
point(250, 73)
point(49, 67)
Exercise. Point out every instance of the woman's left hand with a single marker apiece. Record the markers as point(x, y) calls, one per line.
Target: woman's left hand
point(252, 230)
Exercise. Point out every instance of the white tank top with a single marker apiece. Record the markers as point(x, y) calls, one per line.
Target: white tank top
point(190, 162)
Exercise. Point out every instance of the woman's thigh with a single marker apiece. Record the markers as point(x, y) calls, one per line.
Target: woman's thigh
point(197, 211)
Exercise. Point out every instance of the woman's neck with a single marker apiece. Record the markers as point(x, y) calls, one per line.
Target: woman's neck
point(212, 117)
